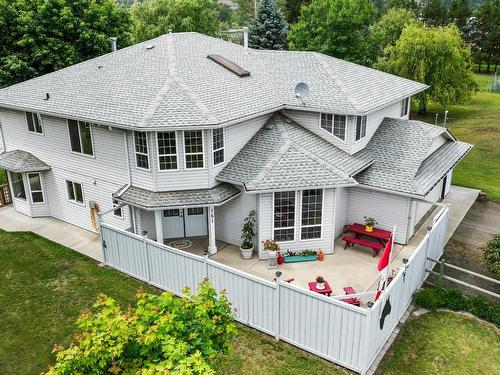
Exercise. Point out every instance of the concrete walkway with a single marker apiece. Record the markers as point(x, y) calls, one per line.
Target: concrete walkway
point(81, 240)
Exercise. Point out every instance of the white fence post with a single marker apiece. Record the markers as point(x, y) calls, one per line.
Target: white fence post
point(145, 242)
point(205, 260)
point(278, 304)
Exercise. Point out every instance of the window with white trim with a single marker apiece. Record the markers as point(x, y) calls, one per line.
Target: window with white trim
point(118, 212)
point(195, 211)
point(80, 137)
point(75, 191)
point(167, 150)
point(312, 209)
point(334, 124)
point(360, 127)
point(173, 212)
point(35, 183)
point(405, 104)
point(218, 145)
point(284, 215)
point(193, 147)
point(18, 185)
point(34, 121)
point(141, 150)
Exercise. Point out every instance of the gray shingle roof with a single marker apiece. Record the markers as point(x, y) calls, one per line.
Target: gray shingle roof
point(284, 155)
point(174, 84)
point(21, 161)
point(400, 149)
point(176, 199)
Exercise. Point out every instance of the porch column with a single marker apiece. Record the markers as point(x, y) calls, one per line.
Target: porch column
point(159, 226)
point(212, 246)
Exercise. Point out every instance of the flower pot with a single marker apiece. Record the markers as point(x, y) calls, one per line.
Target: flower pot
point(368, 228)
point(247, 253)
point(320, 286)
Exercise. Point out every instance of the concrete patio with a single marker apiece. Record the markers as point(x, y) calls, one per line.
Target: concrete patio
point(353, 267)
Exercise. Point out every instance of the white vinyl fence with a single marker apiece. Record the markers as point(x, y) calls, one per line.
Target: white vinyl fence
point(348, 335)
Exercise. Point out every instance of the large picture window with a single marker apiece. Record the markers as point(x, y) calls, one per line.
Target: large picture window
point(34, 121)
point(193, 147)
point(284, 215)
point(360, 127)
point(80, 136)
point(18, 185)
point(141, 150)
point(312, 207)
point(334, 124)
point(35, 187)
point(75, 191)
point(167, 150)
point(218, 145)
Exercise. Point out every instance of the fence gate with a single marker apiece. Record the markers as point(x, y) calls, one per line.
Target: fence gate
point(5, 196)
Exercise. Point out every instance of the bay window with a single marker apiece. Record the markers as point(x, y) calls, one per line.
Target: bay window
point(167, 150)
point(141, 150)
point(312, 208)
point(18, 185)
point(218, 145)
point(360, 127)
point(284, 215)
point(193, 147)
point(35, 187)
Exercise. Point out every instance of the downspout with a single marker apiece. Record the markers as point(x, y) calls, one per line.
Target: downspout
point(129, 170)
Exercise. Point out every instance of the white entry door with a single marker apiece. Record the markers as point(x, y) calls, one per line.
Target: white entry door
point(195, 220)
point(173, 223)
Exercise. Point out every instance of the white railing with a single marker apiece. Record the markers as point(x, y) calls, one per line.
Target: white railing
point(348, 335)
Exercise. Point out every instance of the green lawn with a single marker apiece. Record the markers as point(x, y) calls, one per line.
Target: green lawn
point(478, 123)
point(443, 343)
point(45, 286)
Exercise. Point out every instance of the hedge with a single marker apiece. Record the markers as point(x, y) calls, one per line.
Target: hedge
point(447, 298)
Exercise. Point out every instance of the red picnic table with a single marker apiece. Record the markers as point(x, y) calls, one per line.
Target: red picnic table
point(327, 291)
point(359, 229)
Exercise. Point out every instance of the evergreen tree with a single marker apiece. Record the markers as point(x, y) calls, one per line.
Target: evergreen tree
point(269, 29)
point(435, 13)
point(411, 5)
point(292, 9)
point(459, 13)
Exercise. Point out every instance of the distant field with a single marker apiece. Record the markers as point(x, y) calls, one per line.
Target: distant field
point(478, 123)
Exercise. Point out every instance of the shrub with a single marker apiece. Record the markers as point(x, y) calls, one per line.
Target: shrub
point(435, 298)
point(491, 253)
point(163, 334)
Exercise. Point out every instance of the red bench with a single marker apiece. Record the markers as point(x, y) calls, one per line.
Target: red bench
point(350, 241)
point(353, 301)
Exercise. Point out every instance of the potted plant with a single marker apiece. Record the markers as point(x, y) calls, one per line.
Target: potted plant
point(271, 247)
point(247, 235)
point(370, 222)
point(320, 282)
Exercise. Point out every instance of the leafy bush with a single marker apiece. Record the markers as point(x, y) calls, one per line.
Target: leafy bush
point(163, 334)
point(435, 298)
point(491, 253)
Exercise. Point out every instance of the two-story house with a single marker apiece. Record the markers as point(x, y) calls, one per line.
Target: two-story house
point(185, 134)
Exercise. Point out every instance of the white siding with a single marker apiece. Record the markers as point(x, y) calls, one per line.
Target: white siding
point(229, 217)
point(436, 144)
point(420, 208)
point(265, 223)
point(148, 223)
point(340, 210)
point(388, 209)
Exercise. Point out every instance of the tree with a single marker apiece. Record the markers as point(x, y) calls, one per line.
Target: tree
point(436, 56)
point(337, 28)
point(163, 334)
point(245, 12)
point(269, 29)
point(153, 18)
point(292, 9)
point(38, 37)
point(389, 28)
point(435, 13)
point(410, 5)
point(488, 32)
point(459, 13)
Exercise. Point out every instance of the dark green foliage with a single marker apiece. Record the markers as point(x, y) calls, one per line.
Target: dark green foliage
point(269, 29)
point(410, 5)
point(487, 33)
point(435, 13)
point(337, 28)
point(292, 9)
point(38, 37)
point(491, 253)
point(447, 298)
point(459, 13)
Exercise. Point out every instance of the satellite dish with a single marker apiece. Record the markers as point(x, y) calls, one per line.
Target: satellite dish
point(301, 91)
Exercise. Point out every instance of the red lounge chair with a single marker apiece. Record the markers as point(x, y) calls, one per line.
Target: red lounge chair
point(352, 301)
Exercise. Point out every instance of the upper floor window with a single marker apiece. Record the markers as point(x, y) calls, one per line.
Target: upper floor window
point(80, 136)
point(218, 145)
point(167, 150)
point(284, 215)
point(35, 187)
point(141, 150)
point(334, 124)
point(34, 121)
point(18, 185)
point(312, 208)
point(193, 147)
point(360, 127)
point(75, 191)
point(405, 104)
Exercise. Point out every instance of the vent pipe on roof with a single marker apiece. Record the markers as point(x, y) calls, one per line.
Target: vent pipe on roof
point(113, 40)
point(245, 37)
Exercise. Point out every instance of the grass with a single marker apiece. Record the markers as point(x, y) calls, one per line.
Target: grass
point(443, 343)
point(46, 286)
point(477, 122)
point(3, 177)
